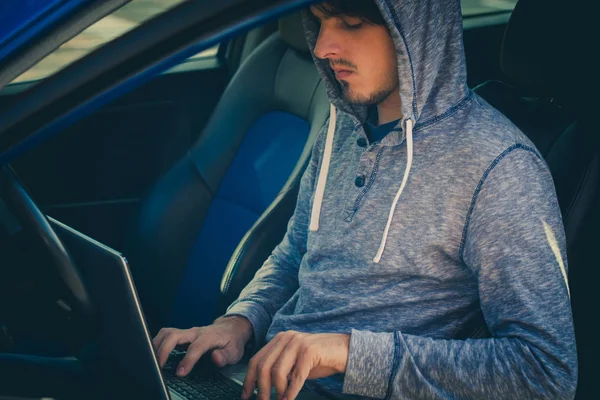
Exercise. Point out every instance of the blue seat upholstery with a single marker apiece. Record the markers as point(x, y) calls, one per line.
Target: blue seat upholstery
point(263, 163)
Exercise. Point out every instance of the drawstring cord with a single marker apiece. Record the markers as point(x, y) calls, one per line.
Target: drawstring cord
point(409, 145)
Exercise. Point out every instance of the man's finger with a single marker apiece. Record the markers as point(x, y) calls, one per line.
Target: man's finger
point(265, 371)
point(252, 371)
point(173, 339)
point(194, 352)
point(299, 375)
point(283, 367)
point(156, 342)
point(223, 357)
point(167, 345)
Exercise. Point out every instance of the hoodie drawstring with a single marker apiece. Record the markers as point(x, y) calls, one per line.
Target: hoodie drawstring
point(316, 210)
point(322, 181)
point(409, 145)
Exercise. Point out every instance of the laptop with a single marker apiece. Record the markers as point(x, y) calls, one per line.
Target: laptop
point(127, 360)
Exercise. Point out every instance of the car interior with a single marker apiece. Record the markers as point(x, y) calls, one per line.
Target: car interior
point(194, 175)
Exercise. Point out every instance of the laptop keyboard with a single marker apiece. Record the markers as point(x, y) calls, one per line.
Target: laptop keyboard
point(204, 384)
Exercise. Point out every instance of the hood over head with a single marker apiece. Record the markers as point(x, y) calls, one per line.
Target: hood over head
point(432, 72)
point(432, 75)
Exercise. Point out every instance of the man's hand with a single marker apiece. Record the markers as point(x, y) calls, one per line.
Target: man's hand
point(227, 336)
point(295, 356)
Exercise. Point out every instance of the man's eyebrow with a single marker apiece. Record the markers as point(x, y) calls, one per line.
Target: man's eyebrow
point(325, 17)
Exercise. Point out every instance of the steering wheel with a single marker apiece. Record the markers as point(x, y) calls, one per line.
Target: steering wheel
point(23, 211)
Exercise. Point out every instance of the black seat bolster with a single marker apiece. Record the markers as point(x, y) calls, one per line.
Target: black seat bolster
point(542, 120)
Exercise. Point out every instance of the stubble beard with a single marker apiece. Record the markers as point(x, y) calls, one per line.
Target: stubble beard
point(373, 98)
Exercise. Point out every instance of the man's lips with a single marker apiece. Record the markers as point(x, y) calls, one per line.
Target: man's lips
point(342, 73)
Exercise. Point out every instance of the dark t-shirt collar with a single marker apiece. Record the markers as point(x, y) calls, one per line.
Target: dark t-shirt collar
point(376, 133)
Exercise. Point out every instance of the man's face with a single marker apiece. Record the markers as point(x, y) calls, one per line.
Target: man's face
point(362, 56)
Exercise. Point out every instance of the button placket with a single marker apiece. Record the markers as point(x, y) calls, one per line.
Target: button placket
point(354, 190)
point(365, 174)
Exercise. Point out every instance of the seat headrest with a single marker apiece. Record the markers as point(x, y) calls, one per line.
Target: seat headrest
point(292, 32)
point(542, 46)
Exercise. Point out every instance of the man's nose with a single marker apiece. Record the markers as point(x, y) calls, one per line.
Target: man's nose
point(328, 44)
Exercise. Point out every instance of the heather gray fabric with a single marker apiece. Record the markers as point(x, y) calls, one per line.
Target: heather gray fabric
point(477, 226)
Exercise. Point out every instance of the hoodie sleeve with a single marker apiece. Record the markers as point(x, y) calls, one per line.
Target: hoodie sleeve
point(514, 243)
point(277, 280)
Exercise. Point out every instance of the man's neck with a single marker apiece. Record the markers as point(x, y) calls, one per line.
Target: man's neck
point(390, 109)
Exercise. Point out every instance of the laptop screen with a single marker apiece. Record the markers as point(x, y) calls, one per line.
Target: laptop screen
point(126, 359)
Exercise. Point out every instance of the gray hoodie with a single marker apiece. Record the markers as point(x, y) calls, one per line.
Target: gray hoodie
point(458, 217)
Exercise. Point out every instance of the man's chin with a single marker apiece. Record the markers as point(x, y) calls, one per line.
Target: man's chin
point(361, 99)
point(357, 99)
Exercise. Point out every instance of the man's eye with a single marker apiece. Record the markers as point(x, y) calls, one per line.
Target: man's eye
point(352, 26)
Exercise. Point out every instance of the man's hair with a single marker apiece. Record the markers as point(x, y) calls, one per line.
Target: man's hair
point(366, 10)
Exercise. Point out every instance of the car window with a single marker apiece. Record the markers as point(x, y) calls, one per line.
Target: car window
point(482, 7)
point(103, 31)
point(138, 11)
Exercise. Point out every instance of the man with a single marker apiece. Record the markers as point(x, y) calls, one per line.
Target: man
point(422, 208)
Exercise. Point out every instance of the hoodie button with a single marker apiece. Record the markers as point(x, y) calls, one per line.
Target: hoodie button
point(360, 181)
point(362, 142)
